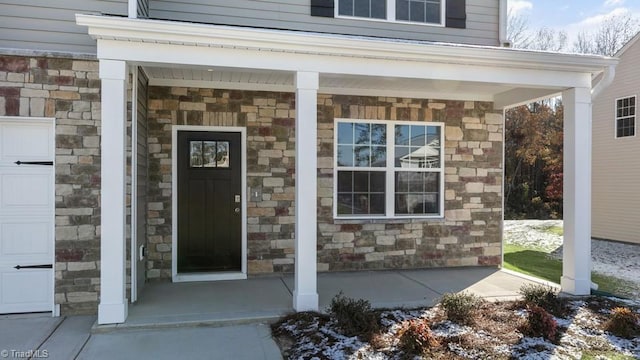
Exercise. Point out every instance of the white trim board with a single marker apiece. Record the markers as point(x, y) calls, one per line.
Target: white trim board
point(133, 269)
point(175, 276)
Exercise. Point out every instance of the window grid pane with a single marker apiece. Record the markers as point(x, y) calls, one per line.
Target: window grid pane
point(362, 145)
point(374, 9)
point(424, 150)
point(625, 117)
point(422, 11)
point(361, 192)
point(417, 193)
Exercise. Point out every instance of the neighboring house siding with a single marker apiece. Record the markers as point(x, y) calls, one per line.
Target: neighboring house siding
point(481, 24)
point(616, 165)
point(470, 234)
point(51, 25)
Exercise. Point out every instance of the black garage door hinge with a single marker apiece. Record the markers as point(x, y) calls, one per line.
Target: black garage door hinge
point(50, 163)
point(45, 266)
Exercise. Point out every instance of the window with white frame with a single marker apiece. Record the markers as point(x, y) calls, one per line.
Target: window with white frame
point(626, 116)
point(388, 169)
point(374, 9)
point(418, 11)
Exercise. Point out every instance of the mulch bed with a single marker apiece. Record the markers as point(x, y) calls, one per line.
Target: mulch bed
point(498, 330)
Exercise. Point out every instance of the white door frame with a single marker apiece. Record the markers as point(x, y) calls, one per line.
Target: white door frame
point(134, 185)
point(175, 276)
point(55, 308)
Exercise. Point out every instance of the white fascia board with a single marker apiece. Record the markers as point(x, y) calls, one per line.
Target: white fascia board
point(165, 54)
point(168, 32)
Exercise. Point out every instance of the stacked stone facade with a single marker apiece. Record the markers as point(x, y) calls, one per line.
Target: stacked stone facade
point(468, 235)
point(470, 232)
point(67, 89)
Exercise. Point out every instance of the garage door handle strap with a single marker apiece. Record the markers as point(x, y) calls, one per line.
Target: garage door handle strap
point(46, 266)
point(50, 163)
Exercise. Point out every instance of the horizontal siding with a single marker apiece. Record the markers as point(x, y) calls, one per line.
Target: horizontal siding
point(482, 19)
point(616, 164)
point(50, 25)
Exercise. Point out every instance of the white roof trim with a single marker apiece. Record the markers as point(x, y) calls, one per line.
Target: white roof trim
point(144, 30)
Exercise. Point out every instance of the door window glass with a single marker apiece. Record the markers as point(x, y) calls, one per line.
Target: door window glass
point(209, 154)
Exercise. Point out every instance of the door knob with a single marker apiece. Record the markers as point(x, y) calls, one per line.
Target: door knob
point(236, 210)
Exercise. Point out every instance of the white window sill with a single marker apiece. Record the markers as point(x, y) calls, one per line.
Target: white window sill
point(387, 220)
point(345, 17)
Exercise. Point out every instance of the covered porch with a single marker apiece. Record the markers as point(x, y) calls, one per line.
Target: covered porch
point(306, 65)
point(267, 298)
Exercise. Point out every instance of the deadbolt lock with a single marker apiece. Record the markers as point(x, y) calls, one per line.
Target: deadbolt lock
point(237, 198)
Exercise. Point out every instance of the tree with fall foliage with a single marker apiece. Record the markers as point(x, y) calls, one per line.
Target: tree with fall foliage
point(533, 161)
point(534, 133)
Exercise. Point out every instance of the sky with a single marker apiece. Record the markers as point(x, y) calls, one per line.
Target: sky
point(572, 16)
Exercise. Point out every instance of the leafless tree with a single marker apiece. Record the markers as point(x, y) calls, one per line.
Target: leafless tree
point(610, 37)
point(522, 37)
point(518, 30)
point(549, 40)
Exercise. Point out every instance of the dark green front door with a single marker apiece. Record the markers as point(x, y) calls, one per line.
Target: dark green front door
point(209, 203)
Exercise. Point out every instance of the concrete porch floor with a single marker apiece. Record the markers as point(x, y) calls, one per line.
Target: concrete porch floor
point(265, 299)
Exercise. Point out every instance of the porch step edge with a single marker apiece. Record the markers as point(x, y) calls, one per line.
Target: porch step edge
point(260, 319)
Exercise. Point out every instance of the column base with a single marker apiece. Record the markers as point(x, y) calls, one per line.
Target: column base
point(575, 286)
point(305, 302)
point(112, 313)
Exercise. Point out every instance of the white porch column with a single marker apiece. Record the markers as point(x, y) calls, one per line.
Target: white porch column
point(113, 304)
point(576, 262)
point(305, 293)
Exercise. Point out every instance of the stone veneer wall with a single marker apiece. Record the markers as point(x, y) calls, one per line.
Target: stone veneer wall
point(469, 235)
point(69, 90)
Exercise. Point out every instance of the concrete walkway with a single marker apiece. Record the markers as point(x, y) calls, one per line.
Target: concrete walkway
point(228, 319)
point(42, 336)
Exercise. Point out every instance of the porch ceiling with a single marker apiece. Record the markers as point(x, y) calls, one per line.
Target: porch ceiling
point(265, 80)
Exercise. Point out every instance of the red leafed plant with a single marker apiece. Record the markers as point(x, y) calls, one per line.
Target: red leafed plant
point(416, 337)
point(541, 324)
point(623, 322)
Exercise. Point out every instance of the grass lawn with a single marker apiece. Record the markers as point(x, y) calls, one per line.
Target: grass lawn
point(537, 263)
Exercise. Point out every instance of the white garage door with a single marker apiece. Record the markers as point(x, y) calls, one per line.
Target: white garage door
point(26, 215)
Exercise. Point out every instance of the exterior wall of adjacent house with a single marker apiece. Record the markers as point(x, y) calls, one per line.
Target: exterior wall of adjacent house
point(51, 25)
point(481, 24)
point(616, 166)
point(469, 235)
point(69, 90)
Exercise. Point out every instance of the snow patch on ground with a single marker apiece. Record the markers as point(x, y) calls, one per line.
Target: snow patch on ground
point(618, 260)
